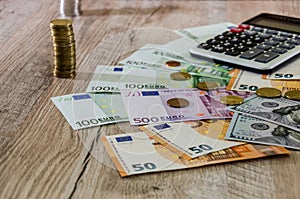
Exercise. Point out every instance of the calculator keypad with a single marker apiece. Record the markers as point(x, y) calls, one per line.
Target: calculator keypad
point(252, 43)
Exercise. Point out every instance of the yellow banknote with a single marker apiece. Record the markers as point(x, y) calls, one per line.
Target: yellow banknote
point(249, 81)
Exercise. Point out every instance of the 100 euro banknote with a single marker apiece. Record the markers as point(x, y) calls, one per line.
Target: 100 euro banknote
point(114, 78)
point(83, 110)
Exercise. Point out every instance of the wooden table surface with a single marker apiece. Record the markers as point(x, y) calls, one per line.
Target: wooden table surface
point(42, 157)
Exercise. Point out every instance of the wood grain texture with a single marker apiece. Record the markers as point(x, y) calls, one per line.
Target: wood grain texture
point(42, 157)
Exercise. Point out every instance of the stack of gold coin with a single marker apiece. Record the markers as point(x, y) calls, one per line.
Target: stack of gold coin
point(64, 48)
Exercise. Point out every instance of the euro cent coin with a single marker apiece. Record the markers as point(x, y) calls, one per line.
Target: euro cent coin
point(231, 100)
point(178, 102)
point(293, 95)
point(173, 63)
point(207, 85)
point(180, 76)
point(268, 92)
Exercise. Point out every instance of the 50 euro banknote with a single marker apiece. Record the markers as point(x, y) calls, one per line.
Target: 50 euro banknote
point(190, 141)
point(243, 80)
point(137, 153)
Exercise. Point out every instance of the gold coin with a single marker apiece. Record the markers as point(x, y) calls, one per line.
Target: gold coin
point(231, 100)
point(60, 23)
point(180, 76)
point(173, 63)
point(178, 102)
point(268, 92)
point(207, 85)
point(293, 95)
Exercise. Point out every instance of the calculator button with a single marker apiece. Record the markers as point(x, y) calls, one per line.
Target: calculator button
point(257, 29)
point(249, 43)
point(273, 32)
point(287, 46)
point(221, 37)
point(243, 36)
point(264, 47)
point(241, 48)
point(250, 54)
point(293, 41)
point(235, 40)
point(236, 30)
point(258, 40)
point(232, 52)
point(266, 57)
point(213, 42)
point(271, 42)
point(278, 38)
point(244, 26)
point(286, 34)
point(204, 46)
point(250, 33)
point(218, 49)
point(279, 50)
point(228, 34)
point(297, 37)
point(265, 36)
point(227, 45)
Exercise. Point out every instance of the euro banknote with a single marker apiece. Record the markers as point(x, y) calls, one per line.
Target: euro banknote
point(114, 78)
point(243, 80)
point(288, 71)
point(83, 110)
point(186, 141)
point(253, 130)
point(156, 105)
point(136, 153)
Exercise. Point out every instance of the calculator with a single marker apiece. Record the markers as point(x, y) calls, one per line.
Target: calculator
point(261, 43)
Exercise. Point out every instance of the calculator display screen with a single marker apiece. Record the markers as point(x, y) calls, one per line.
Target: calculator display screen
point(278, 22)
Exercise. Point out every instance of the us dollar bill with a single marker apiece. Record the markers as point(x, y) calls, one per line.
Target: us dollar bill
point(281, 111)
point(254, 130)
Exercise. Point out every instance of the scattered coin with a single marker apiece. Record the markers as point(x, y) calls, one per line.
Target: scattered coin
point(268, 92)
point(293, 95)
point(178, 102)
point(207, 85)
point(231, 100)
point(63, 48)
point(180, 76)
point(173, 63)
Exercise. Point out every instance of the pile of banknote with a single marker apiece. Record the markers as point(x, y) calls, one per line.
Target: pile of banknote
point(190, 112)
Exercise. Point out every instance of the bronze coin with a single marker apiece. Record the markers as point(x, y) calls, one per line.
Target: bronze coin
point(180, 76)
point(231, 100)
point(293, 95)
point(173, 63)
point(268, 92)
point(207, 85)
point(178, 102)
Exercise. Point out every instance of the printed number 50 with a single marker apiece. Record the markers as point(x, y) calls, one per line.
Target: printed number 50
point(140, 167)
point(201, 148)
